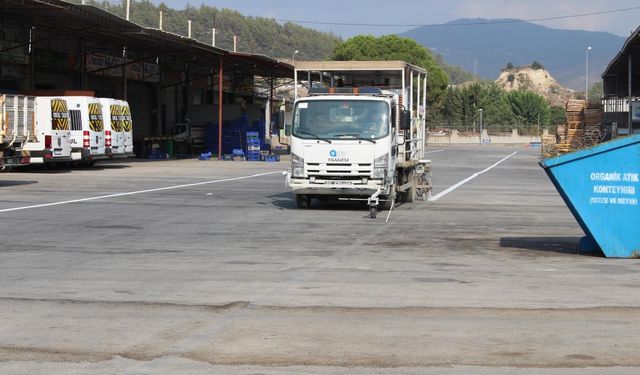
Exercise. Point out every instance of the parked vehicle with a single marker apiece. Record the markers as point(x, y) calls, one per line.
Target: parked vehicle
point(127, 128)
point(17, 127)
point(87, 129)
point(113, 128)
point(359, 142)
point(52, 141)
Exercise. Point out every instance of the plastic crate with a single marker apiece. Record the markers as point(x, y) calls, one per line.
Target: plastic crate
point(271, 158)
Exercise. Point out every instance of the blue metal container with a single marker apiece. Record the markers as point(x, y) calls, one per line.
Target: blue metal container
point(600, 185)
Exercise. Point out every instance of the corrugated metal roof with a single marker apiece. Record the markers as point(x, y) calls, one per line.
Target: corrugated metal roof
point(620, 63)
point(95, 24)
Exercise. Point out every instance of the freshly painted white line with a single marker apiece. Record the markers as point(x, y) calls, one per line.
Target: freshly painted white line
point(136, 192)
point(433, 152)
point(454, 187)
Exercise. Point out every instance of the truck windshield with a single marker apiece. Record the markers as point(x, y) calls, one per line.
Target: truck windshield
point(341, 119)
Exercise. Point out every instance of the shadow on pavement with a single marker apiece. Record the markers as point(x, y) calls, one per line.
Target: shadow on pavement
point(560, 245)
point(6, 183)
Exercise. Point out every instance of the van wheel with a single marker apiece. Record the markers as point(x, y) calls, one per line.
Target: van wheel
point(303, 201)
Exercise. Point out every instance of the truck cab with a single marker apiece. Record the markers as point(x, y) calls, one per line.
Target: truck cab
point(341, 145)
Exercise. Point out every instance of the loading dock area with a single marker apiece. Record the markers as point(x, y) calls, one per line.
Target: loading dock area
point(183, 266)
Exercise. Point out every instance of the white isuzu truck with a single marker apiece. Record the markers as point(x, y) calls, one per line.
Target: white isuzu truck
point(358, 133)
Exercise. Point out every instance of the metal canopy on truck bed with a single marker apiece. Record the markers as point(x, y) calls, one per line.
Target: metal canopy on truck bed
point(390, 74)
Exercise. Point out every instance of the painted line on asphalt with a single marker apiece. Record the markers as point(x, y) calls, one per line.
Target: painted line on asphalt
point(454, 187)
point(433, 152)
point(137, 192)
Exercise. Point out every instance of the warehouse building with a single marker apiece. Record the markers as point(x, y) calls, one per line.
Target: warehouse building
point(621, 89)
point(55, 47)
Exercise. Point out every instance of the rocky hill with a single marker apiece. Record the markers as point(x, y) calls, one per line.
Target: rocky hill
point(538, 80)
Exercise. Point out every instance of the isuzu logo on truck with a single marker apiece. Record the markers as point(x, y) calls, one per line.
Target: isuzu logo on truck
point(338, 157)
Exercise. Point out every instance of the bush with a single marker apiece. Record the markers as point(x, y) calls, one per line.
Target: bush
point(536, 66)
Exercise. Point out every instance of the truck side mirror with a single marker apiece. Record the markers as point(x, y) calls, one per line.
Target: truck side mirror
point(287, 130)
point(405, 120)
point(281, 120)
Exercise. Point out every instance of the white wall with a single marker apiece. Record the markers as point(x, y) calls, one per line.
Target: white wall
point(456, 138)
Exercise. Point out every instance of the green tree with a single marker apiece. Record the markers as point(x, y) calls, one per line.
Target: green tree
point(557, 115)
point(528, 108)
point(393, 47)
point(254, 34)
point(595, 92)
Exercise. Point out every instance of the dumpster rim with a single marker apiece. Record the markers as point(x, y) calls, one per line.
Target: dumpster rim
point(597, 149)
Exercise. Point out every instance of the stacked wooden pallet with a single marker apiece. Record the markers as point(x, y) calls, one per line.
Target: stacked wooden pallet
point(572, 133)
point(592, 126)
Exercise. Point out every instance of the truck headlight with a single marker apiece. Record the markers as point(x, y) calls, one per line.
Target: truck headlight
point(297, 166)
point(380, 165)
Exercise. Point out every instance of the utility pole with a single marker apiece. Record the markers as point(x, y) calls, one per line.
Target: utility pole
point(586, 76)
point(480, 110)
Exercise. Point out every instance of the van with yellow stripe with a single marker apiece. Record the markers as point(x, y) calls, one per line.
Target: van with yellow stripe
point(52, 132)
point(113, 128)
point(87, 129)
point(127, 128)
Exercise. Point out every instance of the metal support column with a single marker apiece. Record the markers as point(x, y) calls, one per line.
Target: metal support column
point(124, 74)
point(83, 65)
point(630, 73)
point(295, 84)
point(267, 120)
point(220, 94)
point(424, 105)
point(32, 60)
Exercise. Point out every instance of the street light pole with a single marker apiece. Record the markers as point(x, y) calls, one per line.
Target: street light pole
point(480, 110)
point(294, 55)
point(586, 76)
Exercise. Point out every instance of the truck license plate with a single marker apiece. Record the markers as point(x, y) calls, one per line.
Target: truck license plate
point(344, 184)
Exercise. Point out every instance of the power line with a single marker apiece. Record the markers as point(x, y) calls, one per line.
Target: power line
point(463, 23)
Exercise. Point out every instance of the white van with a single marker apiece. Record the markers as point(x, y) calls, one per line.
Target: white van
point(87, 129)
point(113, 128)
point(127, 128)
point(52, 141)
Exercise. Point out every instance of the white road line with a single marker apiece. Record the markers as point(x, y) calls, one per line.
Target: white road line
point(454, 187)
point(137, 192)
point(433, 152)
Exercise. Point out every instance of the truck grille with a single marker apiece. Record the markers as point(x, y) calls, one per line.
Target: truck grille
point(342, 170)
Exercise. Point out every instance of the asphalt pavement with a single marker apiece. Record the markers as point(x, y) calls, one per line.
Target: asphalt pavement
point(197, 267)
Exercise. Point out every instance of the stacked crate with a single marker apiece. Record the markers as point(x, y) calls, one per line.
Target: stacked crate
point(253, 146)
point(583, 127)
point(592, 126)
point(571, 134)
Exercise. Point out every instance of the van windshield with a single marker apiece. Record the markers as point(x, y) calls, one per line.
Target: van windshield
point(341, 119)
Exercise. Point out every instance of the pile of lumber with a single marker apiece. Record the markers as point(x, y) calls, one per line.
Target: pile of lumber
point(582, 128)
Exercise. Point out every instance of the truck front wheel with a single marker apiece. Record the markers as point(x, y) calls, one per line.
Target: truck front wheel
point(303, 201)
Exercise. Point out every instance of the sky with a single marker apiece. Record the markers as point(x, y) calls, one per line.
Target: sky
point(420, 12)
